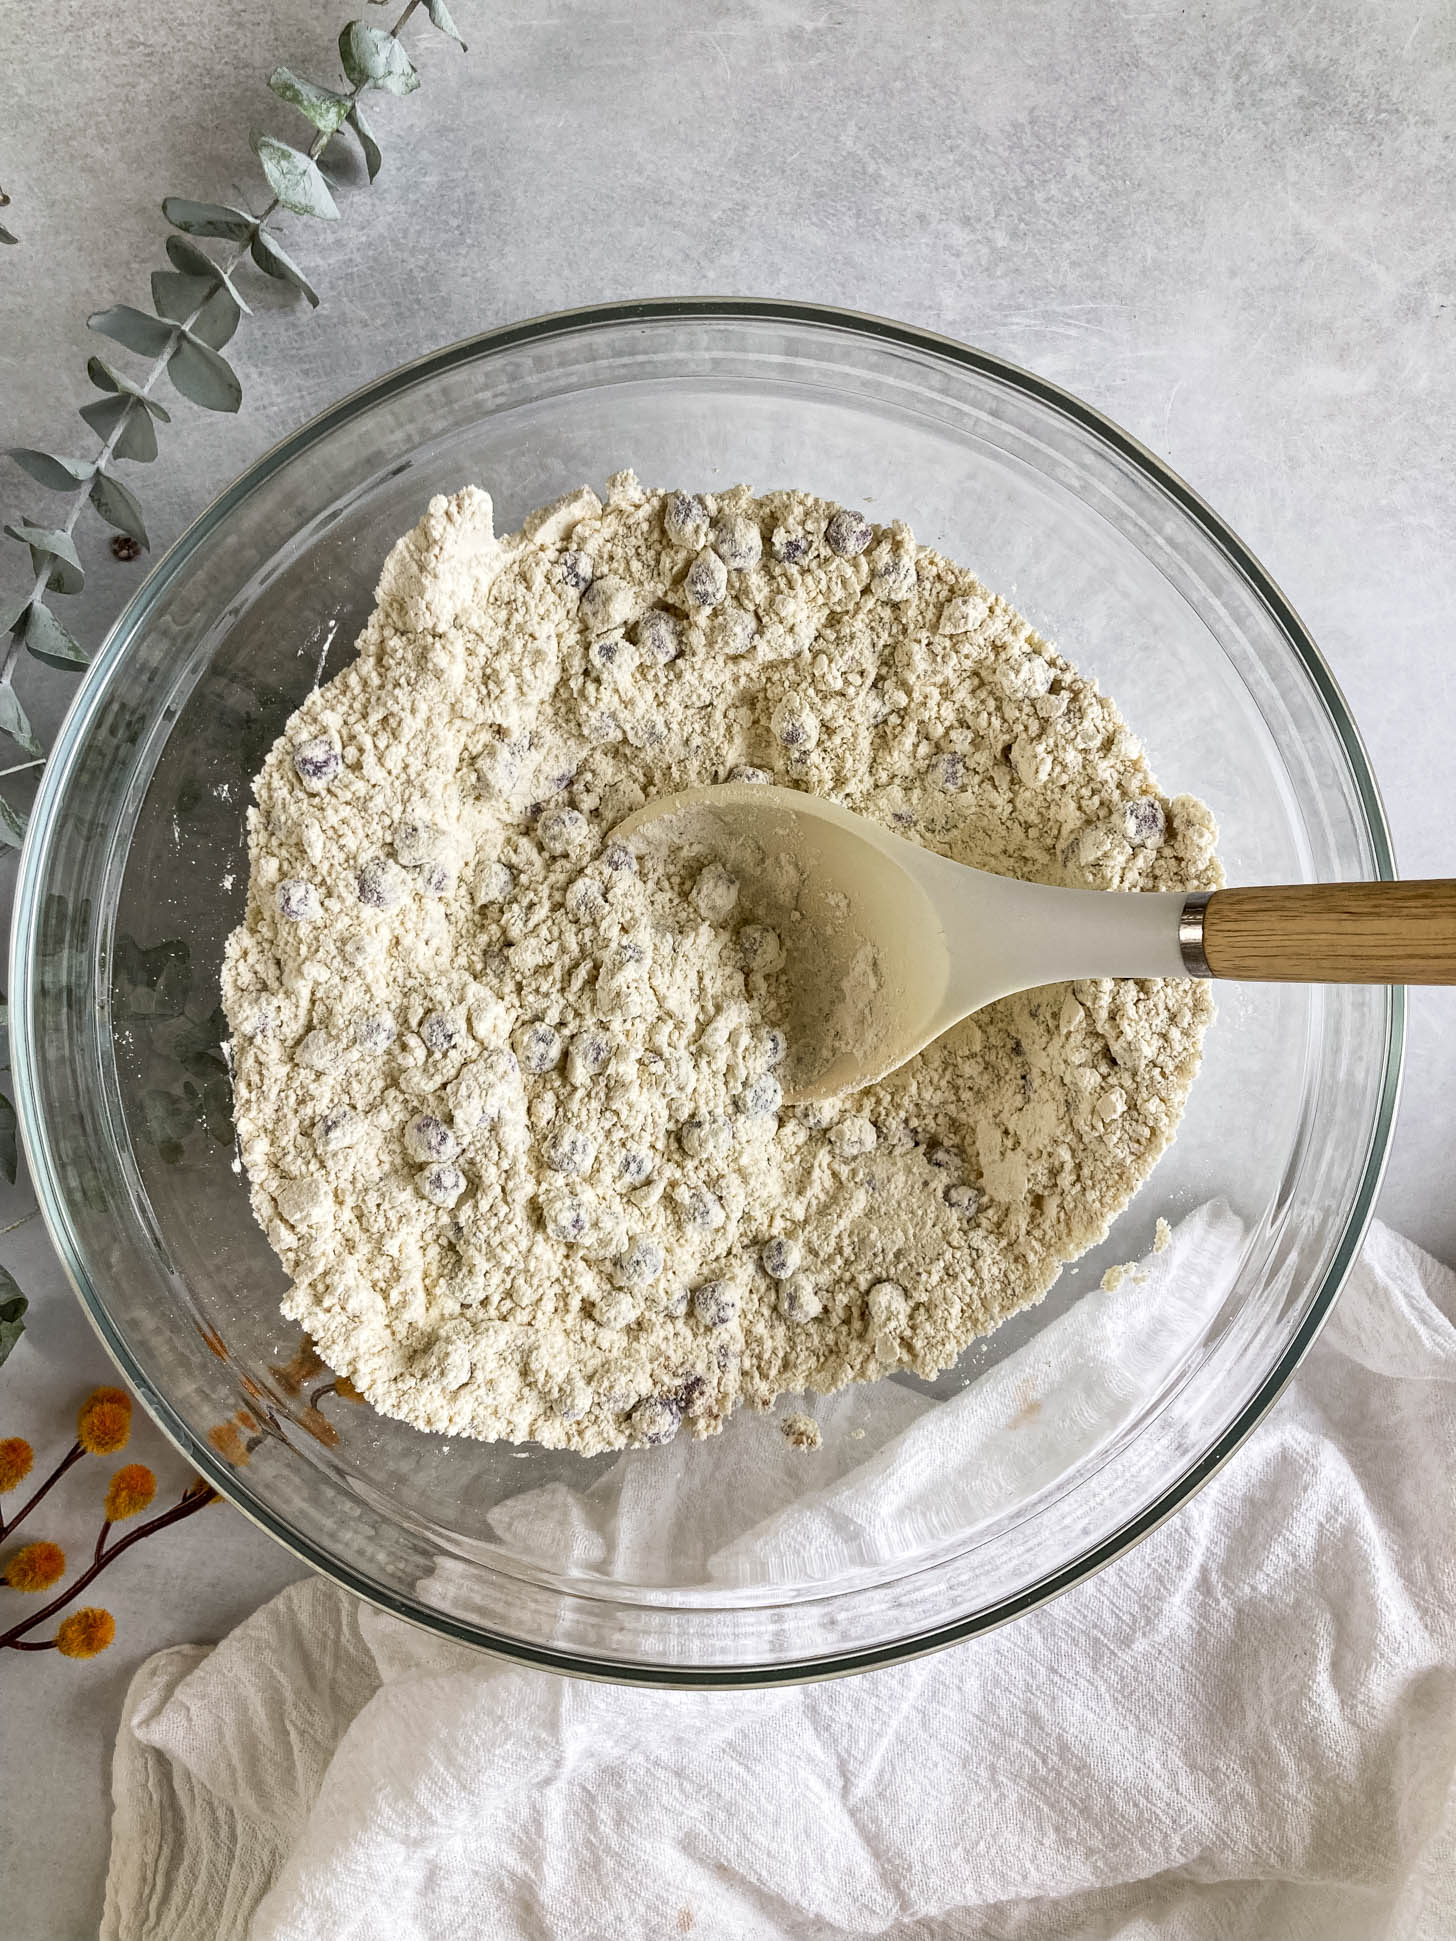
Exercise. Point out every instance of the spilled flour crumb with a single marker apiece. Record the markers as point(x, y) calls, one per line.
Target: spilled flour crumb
point(508, 1094)
point(800, 1431)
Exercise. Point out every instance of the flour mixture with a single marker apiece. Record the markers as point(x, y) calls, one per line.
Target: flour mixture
point(509, 1095)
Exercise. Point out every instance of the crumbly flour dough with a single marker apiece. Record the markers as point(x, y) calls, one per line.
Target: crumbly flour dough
point(507, 1098)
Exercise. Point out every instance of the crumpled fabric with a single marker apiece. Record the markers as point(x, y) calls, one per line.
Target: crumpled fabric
point(1245, 1728)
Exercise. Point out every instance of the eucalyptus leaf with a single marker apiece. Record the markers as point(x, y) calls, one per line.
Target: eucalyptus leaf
point(56, 474)
point(192, 261)
point(273, 260)
point(123, 415)
point(52, 552)
point(375, 59)
point(12, 825)
point(118, 508)
point(6, 237)
point(440, 15)
point(11, 616)
point(48, 640)
point(294, 178)
point(149, 336)
point(201, 374)
point(373, 156)
point(176, 296)
point(12, 1312)
point(16, 723)
point(105, 379)
point(208, 219)
point(325, 109)
point(207, 307)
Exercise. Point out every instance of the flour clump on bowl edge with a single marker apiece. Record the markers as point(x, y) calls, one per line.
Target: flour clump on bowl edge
point(506, 1092)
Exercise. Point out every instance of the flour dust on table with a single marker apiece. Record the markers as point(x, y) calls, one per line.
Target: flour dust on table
point(509, 1090)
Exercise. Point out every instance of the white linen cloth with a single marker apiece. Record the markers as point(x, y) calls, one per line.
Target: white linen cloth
point(1245, 1730)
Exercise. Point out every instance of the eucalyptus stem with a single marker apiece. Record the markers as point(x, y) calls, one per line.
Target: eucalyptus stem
point(372, 58)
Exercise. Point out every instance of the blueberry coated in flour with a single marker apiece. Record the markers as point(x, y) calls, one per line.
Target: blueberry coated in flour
point(382, 884)
point(428, 1137)
point(297, 900)
point(655, 1420)
point(1144, 822)
point(538, 1046)
point(439, 1031)
point(376, 1032)
point(577, 570)
point(641, 1265)
point(659, 635)
point(715, 1303)
point(316, 762)
point(634, 1168)
point(570, 1151)
point(848, 533)
point(442, 1185)
point(780, 1257)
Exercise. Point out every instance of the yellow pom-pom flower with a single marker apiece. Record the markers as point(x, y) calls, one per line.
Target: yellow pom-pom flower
point(85, 1632)
point(35, 1567)
point(130, 1491)
point(103, 1427)
point(16, 1458)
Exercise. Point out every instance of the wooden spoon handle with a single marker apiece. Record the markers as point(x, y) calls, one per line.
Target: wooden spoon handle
point(1331, 933)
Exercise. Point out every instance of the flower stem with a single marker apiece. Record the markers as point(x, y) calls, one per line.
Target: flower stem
point(72, 1455)
point(195, 1497)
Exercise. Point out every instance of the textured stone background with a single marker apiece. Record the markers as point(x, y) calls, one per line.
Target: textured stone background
point(1226, 225)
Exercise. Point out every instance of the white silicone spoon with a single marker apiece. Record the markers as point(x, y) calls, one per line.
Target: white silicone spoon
point(888, 944)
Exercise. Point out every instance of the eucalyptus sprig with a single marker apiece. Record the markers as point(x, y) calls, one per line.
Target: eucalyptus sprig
point(198, 306)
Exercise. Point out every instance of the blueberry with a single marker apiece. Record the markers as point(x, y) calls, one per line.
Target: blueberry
point(338, 1129)
point(585, 900)
point(789, 547)
point(699, 1208)
point(316, 762)
point(437, 879)
point(618, 857)
point(780, 1257)
point(441, 1185)
point(603, 653)
point(297, 900)
point(634, 1168)
point(589, 1054)
point(743, 773)
point(738, 542)
point(760, 947)
point(949, 771)
point(798, 1301)
point(715, 1303)
point(848, 533)
point(538, 1047)
point(429, 1138)
point(570, 1152)
point(795, 723)
point(706, 1136)
point(494, 883)
point(439, 1031)
point(774, 1046)
point(1144, 822)
point(382, 884)
point(706, 581)
point(417, 843)
point(762, 1098)
point(567, 1221)
point(715, 893)
point(659, 635)
point(642, 1264)
point(947, 1158)
point(577, 571)
point(735, 633)
point(894, 577)
point(685, 518)
point(375, 1033)
point(655, 1420)
point(562, 830)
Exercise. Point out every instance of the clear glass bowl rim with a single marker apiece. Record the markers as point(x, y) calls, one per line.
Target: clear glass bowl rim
point(133, 618)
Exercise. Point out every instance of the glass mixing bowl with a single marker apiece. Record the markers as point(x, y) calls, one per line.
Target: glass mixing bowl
point(933, 1510)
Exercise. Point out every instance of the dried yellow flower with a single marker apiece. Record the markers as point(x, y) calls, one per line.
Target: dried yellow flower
point(103, 1427)
point(130, 1491)
point(16, 1458)
point(35, 1566)
point(85, 1632)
